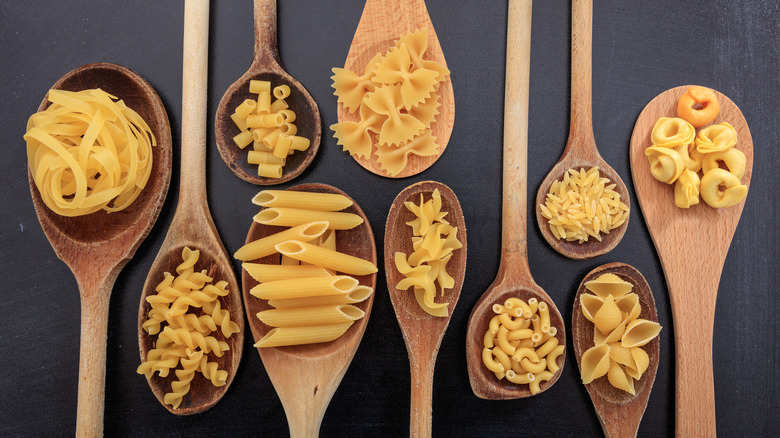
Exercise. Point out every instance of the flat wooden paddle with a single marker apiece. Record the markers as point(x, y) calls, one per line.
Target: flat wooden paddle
point(692, 244)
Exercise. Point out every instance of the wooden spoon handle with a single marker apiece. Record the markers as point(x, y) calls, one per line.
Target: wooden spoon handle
point(515, 182)
point(95, 295)
point(581, 123)
point(266, 46)
point(421, 412)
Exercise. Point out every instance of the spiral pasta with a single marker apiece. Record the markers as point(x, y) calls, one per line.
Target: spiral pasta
point(186, 315)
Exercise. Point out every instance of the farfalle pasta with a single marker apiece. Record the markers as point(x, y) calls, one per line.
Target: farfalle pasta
point(434, 241)
point(397, 101)
point(618, 333)
point(678, 153)
point(186, 314)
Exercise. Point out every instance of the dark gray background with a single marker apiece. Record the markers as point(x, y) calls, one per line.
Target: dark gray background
point(640, 48)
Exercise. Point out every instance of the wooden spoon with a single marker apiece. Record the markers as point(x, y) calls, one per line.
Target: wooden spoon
point(619, 412)
point(700, 232)
point(514, 275)
point(96, 247)
point(192, 225)
point(266, 66)
point(383, 22)
point(306, 376)
point(581, 151)
point(422, 332)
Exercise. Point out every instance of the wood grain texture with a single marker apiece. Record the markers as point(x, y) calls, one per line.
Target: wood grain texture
point(306, 376)
point(383, 22)
point(581, 150)
point(266, 66)
point(678, 234)
point(97, 246)
point(192, 225)
point(514, 275)
point(619, 412)
point(422, 332)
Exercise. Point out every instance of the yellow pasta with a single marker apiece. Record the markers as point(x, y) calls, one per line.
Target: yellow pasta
point(303, 287)
point(267, 245)
point(326, 258)
point(310, 316)
point(302, 200)
point(356, 295)
point(264, 272)
point(291, 217)
point(284, 336)
point(87, 152)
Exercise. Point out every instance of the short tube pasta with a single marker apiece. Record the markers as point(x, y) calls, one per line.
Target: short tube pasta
point(302, 200)
point(310, 316)
point(326, 258)
point(359, 294)
point(284, 336)
point(291, 217)
point(267, 246)
point(303, 287)
point(265, 272)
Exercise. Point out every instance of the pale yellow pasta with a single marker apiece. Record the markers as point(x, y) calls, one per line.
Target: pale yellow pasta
point(357, 295)
point(590, 305)
point(552, 359)
point(281, 91)
point(594, 363)
point(304, 287)
point(502, 358)
point(263, 103)
point(310, 316)
point(282, 145)
point(716, 138)
point(302, 200)
point(540, 377)
point(686, 189)
point(711, 192)
point(641, 362)
point(508, 322)
point(180, 387)
point(269, 170)
point(239, 121)
point(609, 316)
point(265, 272)
point(257, 86)
point(544, 316)
point(619, 379)
point(502, 341)
point(489, 339)
point(212, 372)
point(514, 302)
point(291, 217)
point(284, 336)
point(734, 160)
point(671, 132)
point(639, 332)
point(326, 258)
point(279, 105)
point(520, 379)
point(521, 333)
point(425, 300)
point(547, 347)
point(608, 284)
point(490, 363)
point(266, 246)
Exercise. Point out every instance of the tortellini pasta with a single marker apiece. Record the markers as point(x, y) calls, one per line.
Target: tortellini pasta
point(670, 132)
point(686, 189)
point(716, 138)
point(618, 333)
point(712, 193)
point(666, 164)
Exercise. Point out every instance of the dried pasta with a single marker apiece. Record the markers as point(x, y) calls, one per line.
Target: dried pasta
point(185, 336)
point(618, 333)
point(88, 152)
point(396, 99)
point(583, 205)
point(511, 349)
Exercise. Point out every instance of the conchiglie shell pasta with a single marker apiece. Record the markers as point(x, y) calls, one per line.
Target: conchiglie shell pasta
point(639, 332)
point(620, 354)
point(590, 305)
point(619, 379)
point(609, 284)
point(595, 363)
point(629, 304)
point(641, 360)
point(609, 316)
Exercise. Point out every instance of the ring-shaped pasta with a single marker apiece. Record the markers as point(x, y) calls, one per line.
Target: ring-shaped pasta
point(716, 138)
point(686, 189)
point(666, 164)
point(670, 132)
point(712, 194)
point(691, 156)
point(734, 160)
point(699, 106)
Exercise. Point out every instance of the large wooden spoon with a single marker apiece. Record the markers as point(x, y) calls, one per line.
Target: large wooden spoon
point(514, 275)
point(619, 412)
point(266, 66)
point(383, 22)
point(96, 247)
point(580, 150)
point(680, 235)
point(192, 225)
point(306, 376)
point(422, 332)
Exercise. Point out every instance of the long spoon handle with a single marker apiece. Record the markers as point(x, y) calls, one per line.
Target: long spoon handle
point(421, 408)
point(514, 254)
point(581, 123)
point(266, 47)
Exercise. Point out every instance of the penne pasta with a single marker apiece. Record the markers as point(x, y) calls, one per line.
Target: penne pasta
point(302, 200)
point(310, 316)
point(283, 336)
point(264, 272)
point(290, 217)
point(304, 287)
point(308, 253)
point(267, 245)
point(357, 295)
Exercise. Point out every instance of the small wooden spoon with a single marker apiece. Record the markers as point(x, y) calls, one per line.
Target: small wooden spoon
point(680, 234)
point(581, 151)
point(192, 225)
point(266, 66)
point(306, 376)
point(619, 412)
point(383, 22)
point(422, 332)
point(514, 275)
point(96, 247)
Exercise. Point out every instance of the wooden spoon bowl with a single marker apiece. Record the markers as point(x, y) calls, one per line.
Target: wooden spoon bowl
point(680, 234)
point(422, 332)
point(97, 246)
point(306, 376)
point(619, 412)
point(581, 150)
point(266, 66)
point(383, 22)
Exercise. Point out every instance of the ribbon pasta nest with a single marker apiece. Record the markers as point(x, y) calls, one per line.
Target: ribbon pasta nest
point(397, 100)
point(87, 152)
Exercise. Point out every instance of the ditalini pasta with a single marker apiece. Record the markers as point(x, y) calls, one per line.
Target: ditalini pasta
point(397, 100)
point(582, 205)
point(520, 345)
point(312, 291)
point(186, 337)
point(618, 333)
point(434, 240)
point(678, 153)
point(268, 127)
point(88, 152)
